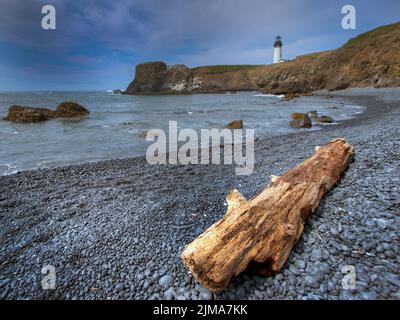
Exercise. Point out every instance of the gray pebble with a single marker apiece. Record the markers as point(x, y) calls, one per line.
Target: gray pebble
point(381, 223)
point(165, 281)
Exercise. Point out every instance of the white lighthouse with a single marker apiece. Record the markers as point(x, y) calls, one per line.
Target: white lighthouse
point(278, 50)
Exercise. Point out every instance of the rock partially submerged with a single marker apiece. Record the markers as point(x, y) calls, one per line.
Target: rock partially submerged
point(313, 114)
point(71, 110)
point(236, 124)
point(300, 120)
point(324, 119)
point(22, 114)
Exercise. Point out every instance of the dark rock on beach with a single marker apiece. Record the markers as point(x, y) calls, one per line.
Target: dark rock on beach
point(324, 119)
point(300, 120)
point(313, 114)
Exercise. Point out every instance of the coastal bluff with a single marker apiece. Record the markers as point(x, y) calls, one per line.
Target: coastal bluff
point(371, 59)
point(158, 78)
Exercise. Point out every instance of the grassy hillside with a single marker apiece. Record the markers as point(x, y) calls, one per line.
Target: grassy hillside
point(224, 68)
point(375, 35)
point(370, 59)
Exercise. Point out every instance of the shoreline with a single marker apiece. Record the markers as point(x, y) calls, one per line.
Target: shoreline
point(358, 99)
point(115, 229)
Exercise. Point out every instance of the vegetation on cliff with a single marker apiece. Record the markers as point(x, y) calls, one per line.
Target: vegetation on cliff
point(224, 68)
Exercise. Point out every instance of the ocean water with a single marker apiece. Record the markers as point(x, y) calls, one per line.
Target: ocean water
point(113, 127)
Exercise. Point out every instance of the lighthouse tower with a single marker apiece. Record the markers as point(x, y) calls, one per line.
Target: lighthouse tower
point(278, 49)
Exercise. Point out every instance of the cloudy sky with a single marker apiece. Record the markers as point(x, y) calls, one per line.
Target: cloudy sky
point(98, 42)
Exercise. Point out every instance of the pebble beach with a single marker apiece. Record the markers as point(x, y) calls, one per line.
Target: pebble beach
point(115, 229)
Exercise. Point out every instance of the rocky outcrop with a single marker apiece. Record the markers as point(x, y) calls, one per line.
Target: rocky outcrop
point(291, 95)
point(158, 78)
point(300, 120)
point(324, 119)
point(71, 110)
point(23, 114)
point(149, 78)
point(370, 59)
point(313, 114)
point(178, 78)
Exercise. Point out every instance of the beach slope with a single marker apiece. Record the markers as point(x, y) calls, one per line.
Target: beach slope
point(116, 229)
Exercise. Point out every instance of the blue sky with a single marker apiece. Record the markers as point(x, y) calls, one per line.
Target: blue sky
point(97, 43)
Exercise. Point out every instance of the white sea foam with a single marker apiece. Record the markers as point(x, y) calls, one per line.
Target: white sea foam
point(279, 96)
point(11, 169)
point(43, 163)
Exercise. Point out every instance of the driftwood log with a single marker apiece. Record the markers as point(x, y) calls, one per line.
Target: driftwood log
point(259, 234)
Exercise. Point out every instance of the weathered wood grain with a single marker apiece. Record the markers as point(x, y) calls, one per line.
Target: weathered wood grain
point(259, 234)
